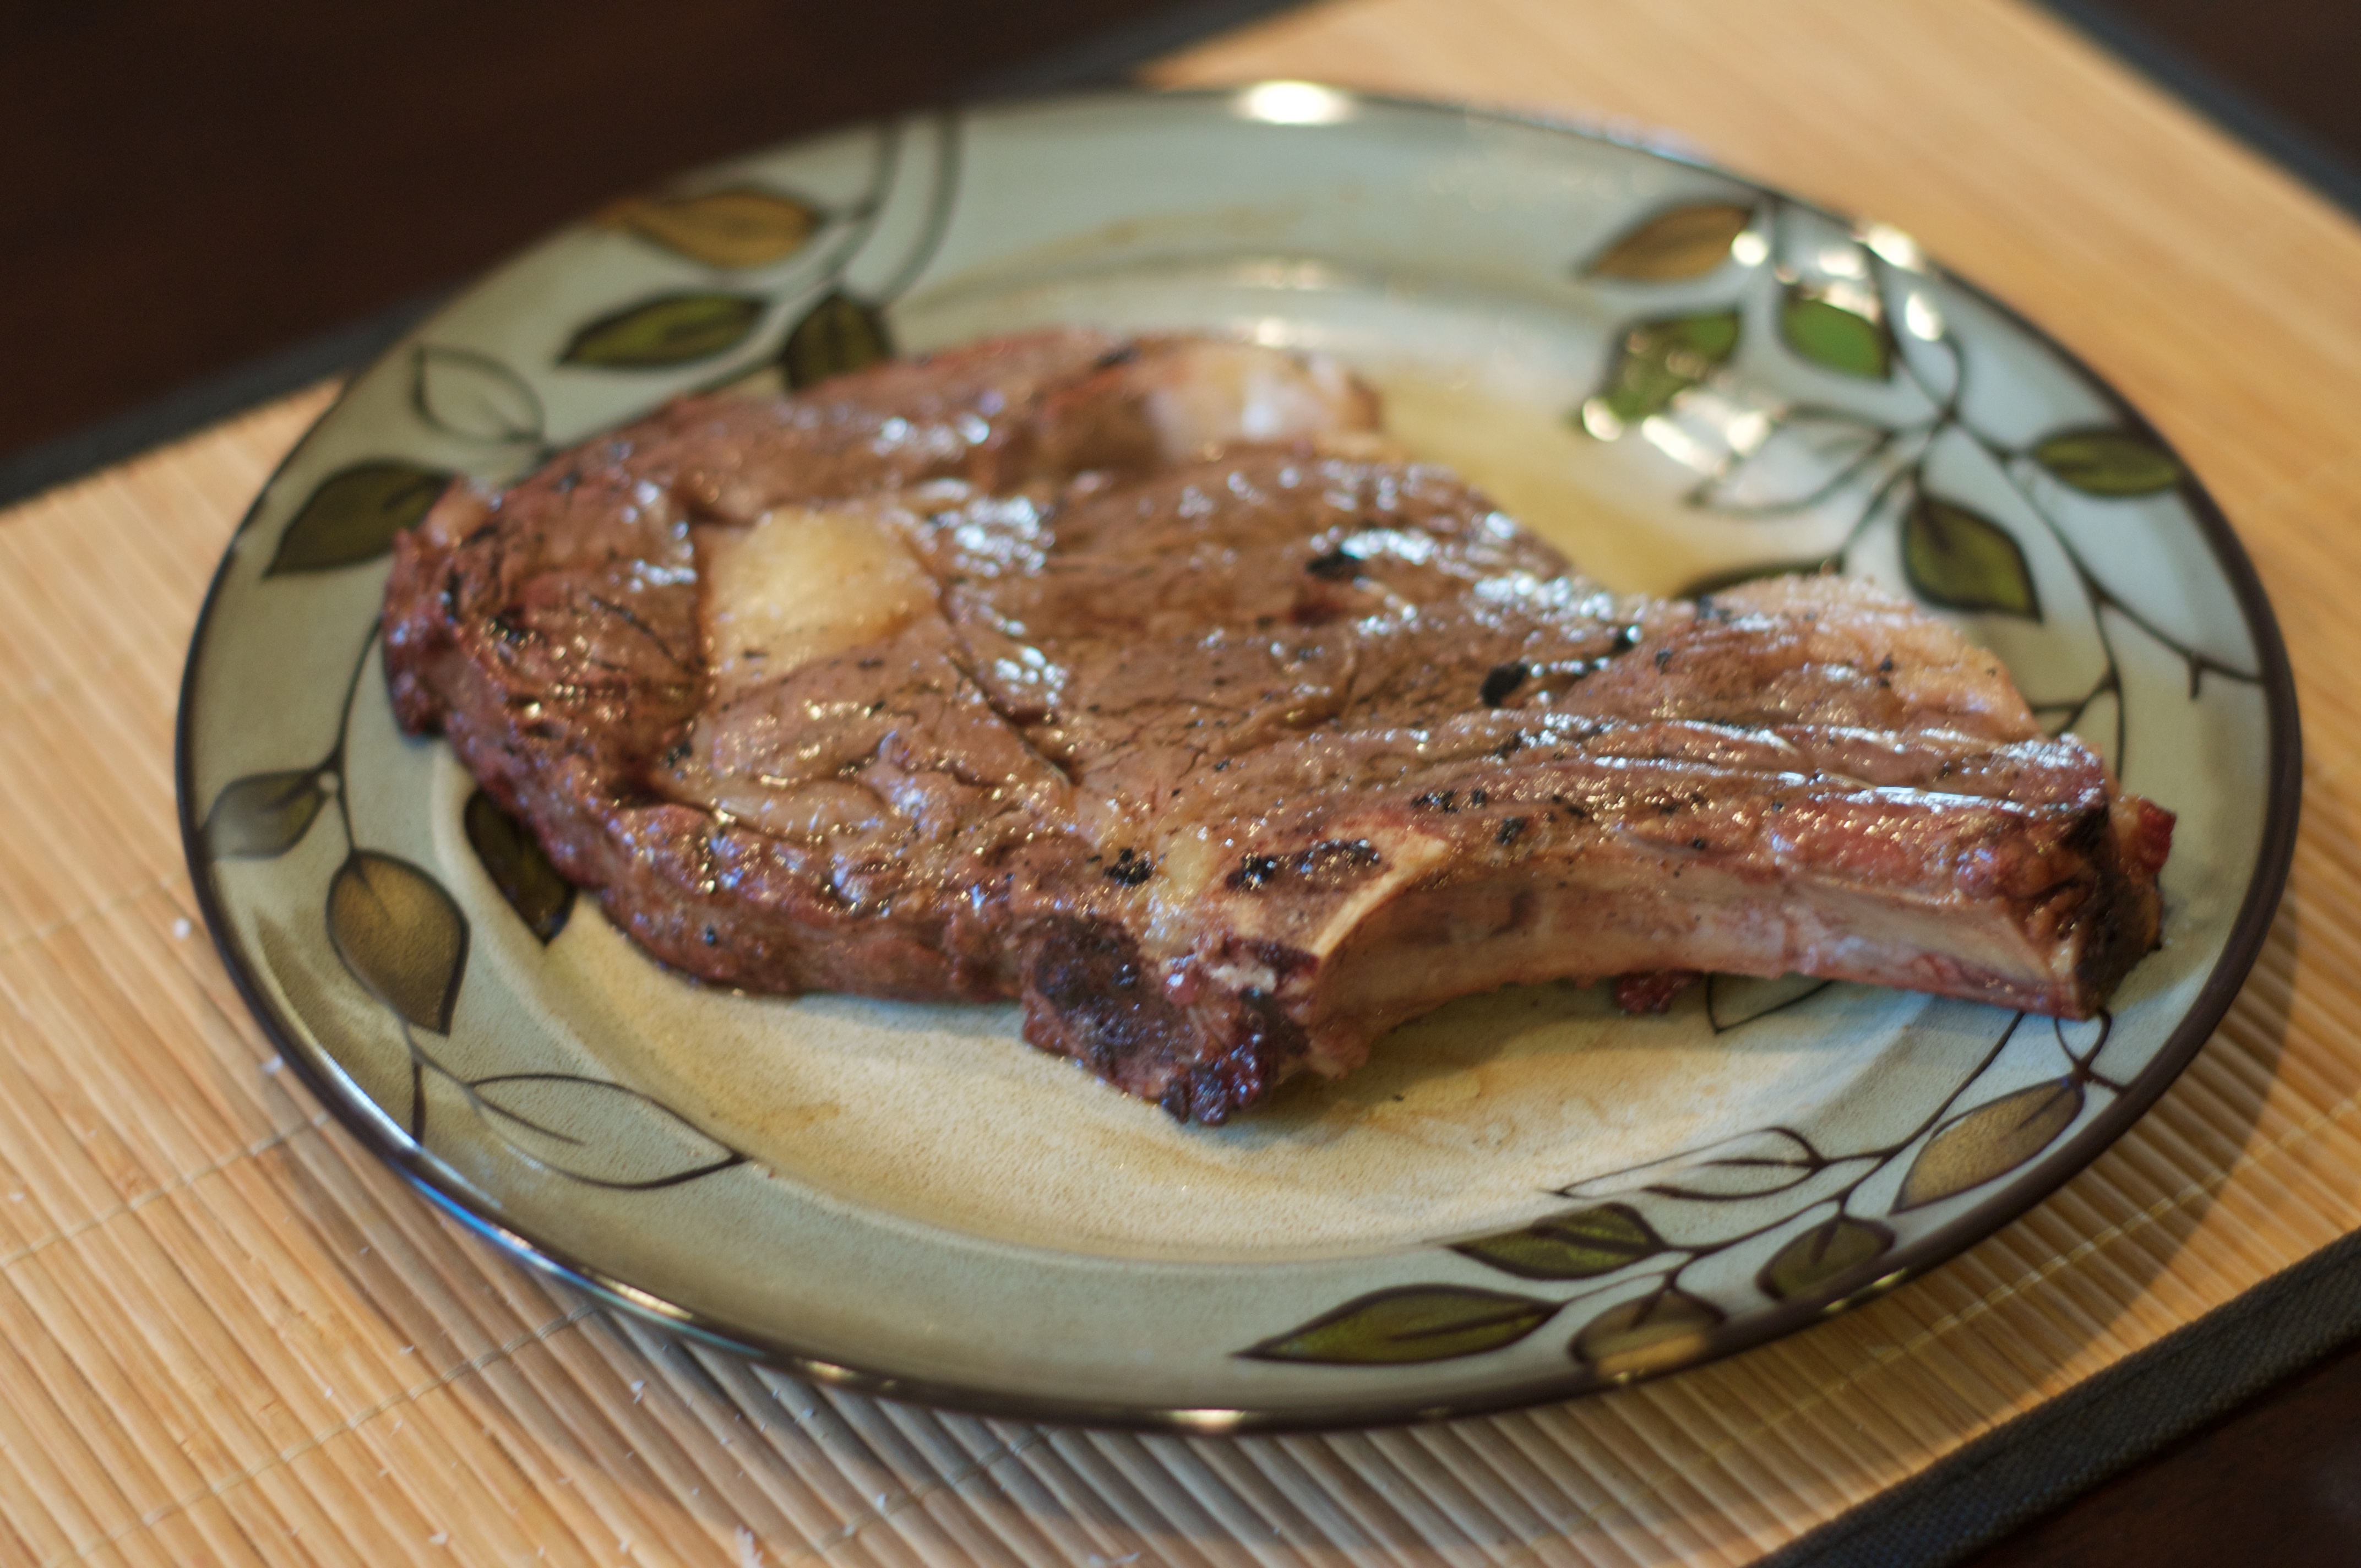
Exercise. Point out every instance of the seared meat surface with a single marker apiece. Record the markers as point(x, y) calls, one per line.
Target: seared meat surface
point(1139, 682)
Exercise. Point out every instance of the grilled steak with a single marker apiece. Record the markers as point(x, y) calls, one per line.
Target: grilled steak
point(1139, 682)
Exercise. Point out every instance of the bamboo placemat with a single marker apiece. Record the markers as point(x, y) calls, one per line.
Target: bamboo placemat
point(226, 1335)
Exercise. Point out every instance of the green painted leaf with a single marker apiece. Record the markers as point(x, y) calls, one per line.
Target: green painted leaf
point(1730, 577)
point(735, 228)
point(1821, 1254)
point(1834, 337)
point(2108, 462)
point(837, 335)
point(353, 515)
point(1990, 1141)
point(671, 329)
point(1686, 242)
point(602, 1133)
point(401, 935)
point(1659, 360)
point(1655, 1332)
point(1576, 1245)
point(513, 858)
point(1961, 560)
point(264, 815)
point(1414, 1323)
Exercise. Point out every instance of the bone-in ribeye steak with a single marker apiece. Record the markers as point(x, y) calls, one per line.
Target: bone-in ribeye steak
point(1139, 682)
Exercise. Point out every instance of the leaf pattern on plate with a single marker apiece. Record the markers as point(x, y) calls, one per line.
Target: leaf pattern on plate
point(839, 334)
point(1830, 1249)
point(1962, 560)
point(1686, 242)
point(1658, 360)
point(1730, 577)
point(1989, 1140)
point(353, 515)
point(734, 229)
point(1661, 1329)
point(2108, 462)
point(1579, 1244)
point(1834, 335)
point(263, 815)
point(474, 396)
point(602, 1133)
point(671, 329)
point(401, 935)
point(513, 858)
point(1412, 1322)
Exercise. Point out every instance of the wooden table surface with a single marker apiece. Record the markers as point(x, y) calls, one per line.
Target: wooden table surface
point(226, 1336)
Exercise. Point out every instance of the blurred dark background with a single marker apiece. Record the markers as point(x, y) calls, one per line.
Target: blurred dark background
point(193, 188)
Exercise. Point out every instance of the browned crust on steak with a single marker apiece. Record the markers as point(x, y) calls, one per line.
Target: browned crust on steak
point(1224, 765)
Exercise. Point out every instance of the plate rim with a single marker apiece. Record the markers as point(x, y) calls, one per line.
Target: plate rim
point(2257, 912)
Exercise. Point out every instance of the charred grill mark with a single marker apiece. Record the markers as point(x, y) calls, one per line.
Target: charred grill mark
point(624, 614)
point(1331, 864)
point(1339, 565)
point(1130, 868)
point(1502, 683)
point(1510, 831)
point(1443, 800)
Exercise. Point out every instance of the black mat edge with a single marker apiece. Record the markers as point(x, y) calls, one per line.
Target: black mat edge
point(2100, 1427)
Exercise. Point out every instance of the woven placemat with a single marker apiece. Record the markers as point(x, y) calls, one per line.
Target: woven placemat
point(226, 1335)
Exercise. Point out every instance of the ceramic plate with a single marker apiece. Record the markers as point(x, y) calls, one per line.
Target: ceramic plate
point(1678, 376)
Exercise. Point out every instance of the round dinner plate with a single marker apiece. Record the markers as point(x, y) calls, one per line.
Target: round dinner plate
point(1680, 378)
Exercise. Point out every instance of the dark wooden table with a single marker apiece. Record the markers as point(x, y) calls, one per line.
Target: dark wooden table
point(190, 188)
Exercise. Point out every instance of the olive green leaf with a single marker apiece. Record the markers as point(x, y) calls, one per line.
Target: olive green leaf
point(1413, 1323)
point(1657, 361)
point(1834, 1247)
point(671, 329)
point(401, 935)
point(1730, 577)
point(601, 1134)
point(2108, 462)
point(1576, 1245)
point(473, 396)
point(1959, 560)
point(1992, 1139)
point(353, 515)
point(1686, 242)
point(512, 857)
point(1833, 336)
point(264, 815)
point(837, 335)
point(1653, 1332)
point(735, 228)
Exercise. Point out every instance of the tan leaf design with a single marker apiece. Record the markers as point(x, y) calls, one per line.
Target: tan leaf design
point(1821, 1254)
point(837, 335)
point(1989, 1140)
point(731, 229)
point(1663, 1329)
point(353, 515)
point(1414, 1323)
point(513, 858)
point(602, 1133)
point(264, 815)
point(671, 329)
point(401, 935)
point(1576, 1245)
point(1686, 242)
